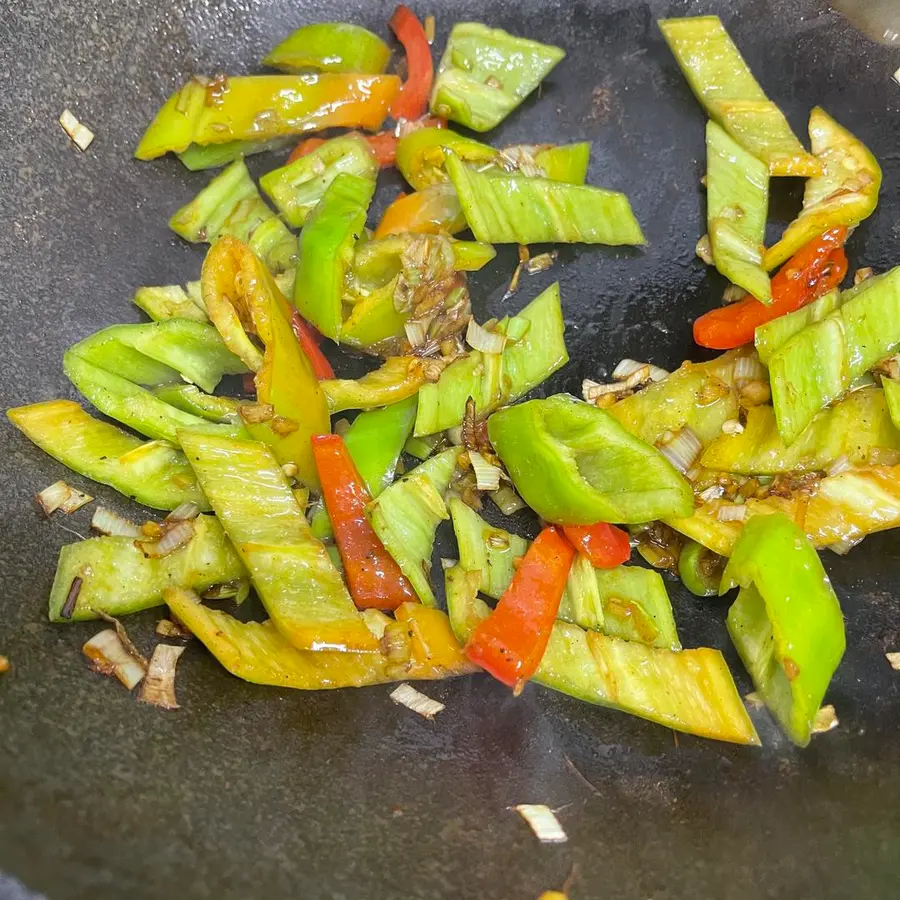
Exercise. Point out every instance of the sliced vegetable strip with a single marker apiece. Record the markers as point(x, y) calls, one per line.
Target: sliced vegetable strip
point(772, 335)
point(293, 575)
point(405, 516)
point(374, 579)
point(430, 211)
point(330, 47)
point(398, 378)
point(842, 196)
point(503, 208)
point(786, 622)
point(117, 578)
point(486, 73)
point(604, 545)
point(689, 690)
point(231, 205)
point(198, 157)
point(819, 363)
point(266, 106)
point(511, 641)
point(719, 76)
point(816, 269)
point(153, 473)
point(737, 201)
point(172, 301)
point(241, 296)
point(412, 100)
point(574, 464)
point(257, 652)
point(308, 338)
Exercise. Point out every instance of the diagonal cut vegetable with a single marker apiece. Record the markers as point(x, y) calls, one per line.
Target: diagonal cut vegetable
point(574, 464)
point(818, 364)
point(260, 107)
point(198, 157)
point(786, 622)
point(296, 188)
point(153, 473)
point(293, 575)
point(502, 208)
point(172, 302)
point(845, 193)
point(723, 83)
point(737, 201)
point(406, 515)
point(486, 73)
point(257, 652)
point(118, 579)
point(399, 378)
point(192, 400)
point(231, 205)
point(330, 47)
point(857, 428)
point(494, 379)
point(689, 690)
point(775, 334)
point(627, 602)
point(326, 251)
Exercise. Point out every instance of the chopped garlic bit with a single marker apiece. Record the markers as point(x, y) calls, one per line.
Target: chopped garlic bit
point(894, 660)
point(754, 700)
point(732, 426)
point(825, 720)
point(159, 687)
point(543, 822)
point(896, 76)
point(406, 695)
point(80, 135)
point(61, 496)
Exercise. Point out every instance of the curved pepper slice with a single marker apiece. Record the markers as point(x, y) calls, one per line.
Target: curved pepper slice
point(374, 579)
point(330, 47)
point(814, 270)
point(700, 569)
point(326, 251)
point(241, 297)
point(486, 73)
point(398, 378)
point(412, 100)
point(786, 622)
point(510, 642)
point(843, 195)
point(574, 464)
point(266, 106)
point(604, 545)
point(422, 154)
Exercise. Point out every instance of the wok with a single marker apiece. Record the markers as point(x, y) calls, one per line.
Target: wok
point(255, 792)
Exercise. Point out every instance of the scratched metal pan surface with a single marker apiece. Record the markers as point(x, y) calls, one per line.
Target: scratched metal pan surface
point(250, 792)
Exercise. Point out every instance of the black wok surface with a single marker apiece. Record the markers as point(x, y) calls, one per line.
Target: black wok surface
point(249, 792)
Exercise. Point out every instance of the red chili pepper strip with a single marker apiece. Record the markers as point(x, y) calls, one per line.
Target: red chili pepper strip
point(604, 545)
point(374, 578)
point(510, 642)
point(304, 147)
point(811, 272)
point(412, 100)
point(309, 338)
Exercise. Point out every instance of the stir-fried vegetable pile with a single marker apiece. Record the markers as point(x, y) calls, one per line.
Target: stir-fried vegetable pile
point(730, 473)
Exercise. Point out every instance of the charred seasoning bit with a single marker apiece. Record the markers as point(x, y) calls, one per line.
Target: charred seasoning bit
point(68, 608)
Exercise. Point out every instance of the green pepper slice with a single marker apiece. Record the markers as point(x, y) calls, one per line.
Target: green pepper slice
point(786, 622)
point(575, 464)
point(330, 47)
point(485, 73)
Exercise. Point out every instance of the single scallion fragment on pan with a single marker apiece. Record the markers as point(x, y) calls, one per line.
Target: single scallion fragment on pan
point(408, 696)
point(153, 473)
point(406, 515)
point(231, 205)
point(117, 578)
point(737, 201)
point(158, 688)
point(542, 822)
point(80, 135)
point(503, 208)
point(330, 47)
point(687, 690)
point(109, 656)
point(725, 86)
point(260, 107)
point(486, 73)
point(297, 187)
point(61, 496)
